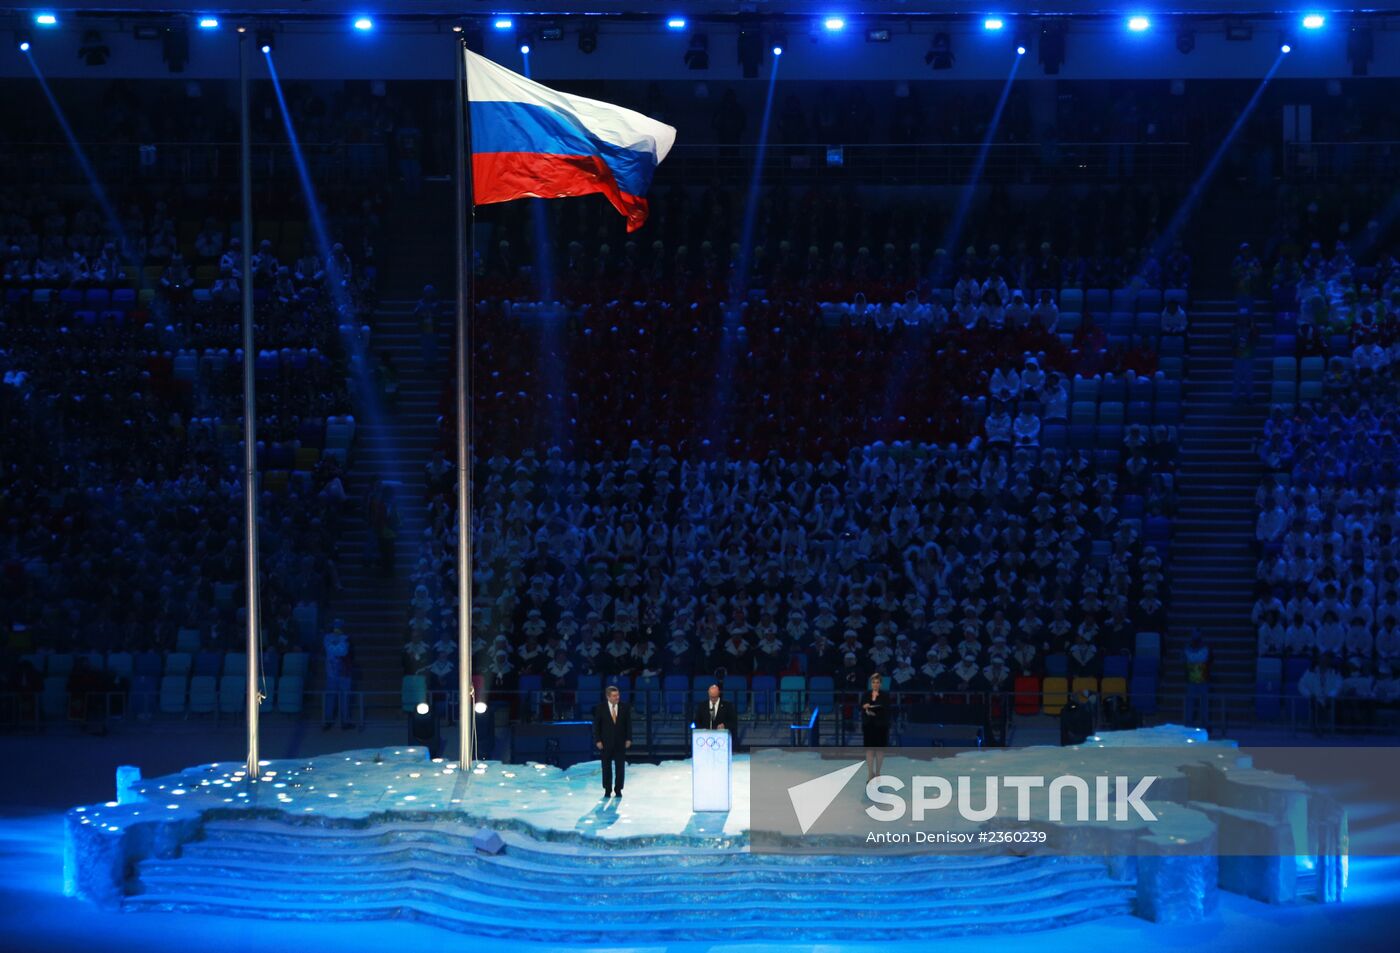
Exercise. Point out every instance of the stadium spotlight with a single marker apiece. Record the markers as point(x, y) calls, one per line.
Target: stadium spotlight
point(676, 23)
point(523, 40)
point(479, 708)
point(1185, 41)
point(266, 41)
point(834, 24)
point(504, 23)
point(364, 24)
point(22, 40)
point(777, 46)
point(1052, 46)
point(588, 38)
point(45, 19)
point(1020, 49)
point(1284, 46)
point(940, 52)
point(1314, 21)
point(94, 52)
point(993, 23)
point(1139, 24)
point(421, 708)
point(208, 23)
point(697, 54)
point(1361, 49)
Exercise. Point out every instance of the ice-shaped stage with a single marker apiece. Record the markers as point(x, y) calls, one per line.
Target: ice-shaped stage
point(387, 833)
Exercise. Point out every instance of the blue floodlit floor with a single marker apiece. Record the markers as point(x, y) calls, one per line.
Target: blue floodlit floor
point(35, 916)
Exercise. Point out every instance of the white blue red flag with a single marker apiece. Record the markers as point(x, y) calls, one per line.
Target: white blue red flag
point(528, 140)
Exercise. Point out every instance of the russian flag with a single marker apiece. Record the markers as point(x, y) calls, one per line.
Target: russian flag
point(530, 141)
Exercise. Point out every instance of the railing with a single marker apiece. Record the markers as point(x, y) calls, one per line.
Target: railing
point(975, 717)
point(119, 165)
point(1341, 160)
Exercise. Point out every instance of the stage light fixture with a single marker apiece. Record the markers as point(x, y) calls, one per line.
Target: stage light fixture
point(364, 24)
point(1020, 49)
point(1139, 24)
point(588, 38)
point(697, 54)
point(1284, 46)
point(1185, 41)
point(877, 34)
point(208, 23)
point(266, 41)
point(421, 708)
point(676, 23)
point(1314, 21)
point(175, 47)
point(777, 47)
point(993, 23)
point(1238, 31)
point(1052, 46)
point(46, 19)
point(750, 48)
point(1361, 49)
point(504, 23)
point(93, 51)
point(523, 41)
point(834, 24)
point(940, 52)
point(22, 40)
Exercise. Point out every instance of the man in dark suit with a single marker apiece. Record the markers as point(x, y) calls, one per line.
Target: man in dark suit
point(612, 736)
point(717, 714)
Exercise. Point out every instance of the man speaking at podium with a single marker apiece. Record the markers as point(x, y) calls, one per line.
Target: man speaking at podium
point(612, 736)
point(716, 714)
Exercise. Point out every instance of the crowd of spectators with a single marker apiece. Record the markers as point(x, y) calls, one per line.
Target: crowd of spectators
point(122, 490)
point(1329, 568)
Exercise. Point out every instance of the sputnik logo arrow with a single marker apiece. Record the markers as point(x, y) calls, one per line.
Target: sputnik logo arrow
point(810, 799)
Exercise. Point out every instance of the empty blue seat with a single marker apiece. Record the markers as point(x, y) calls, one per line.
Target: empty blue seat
point(1081, 437)
point(763, 688)
point(1169, 413)
point(821, 692)
point(675, 689)
point(1139, 412)
point(1115, 666)
point(1142, 695)
point(588, 691)
point(1057, 664)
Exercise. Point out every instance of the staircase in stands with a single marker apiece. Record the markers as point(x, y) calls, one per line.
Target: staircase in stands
point(395, 445)
point(1213, 557)
point(553, 891)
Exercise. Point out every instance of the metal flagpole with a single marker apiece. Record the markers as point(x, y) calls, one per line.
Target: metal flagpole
point(466, 215)
point(250, 487)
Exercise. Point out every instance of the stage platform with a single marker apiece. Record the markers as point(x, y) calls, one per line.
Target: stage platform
point(389, 834)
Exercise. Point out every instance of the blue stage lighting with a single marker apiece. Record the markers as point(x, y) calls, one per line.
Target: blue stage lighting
point(1285, 48)
point(265, 48)
point(1021, 49)
point(1314, 21)
point(993, 23)
point(525, 48)
point(504, 23)
point(777, 50)
point(676, 23)
point(45, 19)
point(24, 46)
point(834, 24)
point(208, 23)
point(364, 24)
point(1139, 24)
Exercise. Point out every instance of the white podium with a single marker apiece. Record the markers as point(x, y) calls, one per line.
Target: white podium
point(710, 756)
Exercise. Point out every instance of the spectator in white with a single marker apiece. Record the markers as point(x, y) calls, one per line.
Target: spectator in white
point(337, 704)
point(232, 259)
point(309, 270)
point(1358, 640)
point(1299, 638)
point(999, 428)
point(1047, 313)
point(1271, 524)
point(966, 294)
point(992, 310)
point(107, 269)
point(1026, 429)
point(1331, 635)
point(1387, 643)
point(1174, 318)
point(1018, 313)
point(1032, 378)
point(341, 265)
point(226, 288)
point(937, 313)
point(1319, 686)
point(209, 243)
point(1273, 636)
point(1004, 385)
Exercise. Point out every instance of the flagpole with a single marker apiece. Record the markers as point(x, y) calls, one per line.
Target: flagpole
point(466, 217)
point(250, 452)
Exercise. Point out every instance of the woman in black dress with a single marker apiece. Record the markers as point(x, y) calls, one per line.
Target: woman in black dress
point(875, 707)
